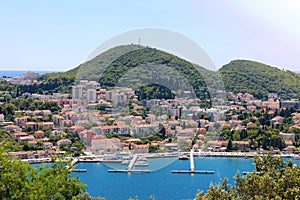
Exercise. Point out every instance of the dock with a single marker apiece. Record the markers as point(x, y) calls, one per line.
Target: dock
point(132, 162)
point(74, 161)
point(245, 173)
point(126, 171)
point(192, 172)
point(79, 170)
point(192, 164)
point(192, 167)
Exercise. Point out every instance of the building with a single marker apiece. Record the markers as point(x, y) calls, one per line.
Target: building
point(289, 104)
point(63, 142)
point(21, 120)
point(77, 92)
point(39, 134)
point(104, 144)
point(241, 145)
point(91, 96)
point(1, 118)
point(13, 128)
point(287, 136)
point(142, 148)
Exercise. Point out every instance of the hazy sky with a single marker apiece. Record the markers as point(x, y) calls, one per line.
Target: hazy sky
point(57, 35)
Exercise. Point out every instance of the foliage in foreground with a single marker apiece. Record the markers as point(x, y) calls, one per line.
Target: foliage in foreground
point(271, 179)
point(20, 180)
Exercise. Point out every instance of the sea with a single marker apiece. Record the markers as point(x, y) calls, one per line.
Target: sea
point(9, 73)
point(160, 182)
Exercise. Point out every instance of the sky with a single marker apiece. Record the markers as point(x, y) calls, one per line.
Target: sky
point(58, 35)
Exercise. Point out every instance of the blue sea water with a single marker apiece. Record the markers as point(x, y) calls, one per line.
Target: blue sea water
point(12, 73)
point(161, 183)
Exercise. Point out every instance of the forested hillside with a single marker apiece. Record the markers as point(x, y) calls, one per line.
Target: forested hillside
point(138, 66)
point(260, 79)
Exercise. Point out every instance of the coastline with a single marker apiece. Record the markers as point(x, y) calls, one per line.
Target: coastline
point(100, 158)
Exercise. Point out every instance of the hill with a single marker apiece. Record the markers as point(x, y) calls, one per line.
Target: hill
point(137, 66)
point(260, 79)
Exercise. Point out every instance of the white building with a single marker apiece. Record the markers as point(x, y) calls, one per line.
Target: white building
point(91, 96)
point(77, 92)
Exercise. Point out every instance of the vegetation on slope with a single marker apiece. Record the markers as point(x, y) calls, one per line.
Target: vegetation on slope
point(271, 179)
point(260, 79)
point(138, 66)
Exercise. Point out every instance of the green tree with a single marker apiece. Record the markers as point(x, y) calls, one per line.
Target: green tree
point(20, 180)
point(271, 179)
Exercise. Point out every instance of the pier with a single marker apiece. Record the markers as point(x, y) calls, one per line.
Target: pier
point(79, 170)
point(130, 167)
point(126, 171)
point(132, 162)
point(192, 164)
point(194, 172)
point(74, 161)
point(192, 167)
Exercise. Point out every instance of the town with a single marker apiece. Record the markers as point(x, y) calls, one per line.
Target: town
point(95, 121)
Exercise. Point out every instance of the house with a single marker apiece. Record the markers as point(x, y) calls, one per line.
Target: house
point(39, 134)
point(277, 119)
point(32, 125)
point(142, 148)
point(1, 118)
point(216, 145)
point(287, 136)
point(47, 125)
point(21, 120)
point(46, 112)
point(45, 139)
point(169, 147)
point(66, 123)
point(288, 143)
point(32, 143)
point(188, 132)
point(13, 128)
point(184, 142)
point(26, 138)
point(86, 136)
point(37, 112)
point(241, 145)
point(202, 130)
point(47, 145)
point(19, 134)
point(104, 144)
point(63, 142)
point(251, 124)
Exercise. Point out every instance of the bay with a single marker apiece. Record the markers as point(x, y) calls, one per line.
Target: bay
point(162, 184)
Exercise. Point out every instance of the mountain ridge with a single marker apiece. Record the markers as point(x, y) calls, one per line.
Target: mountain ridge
point(238, 75)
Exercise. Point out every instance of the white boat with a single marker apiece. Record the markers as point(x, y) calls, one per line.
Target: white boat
point(125, 162)
point(142, 159)
point(141, 164)
point(297, 157)
point(184, 157)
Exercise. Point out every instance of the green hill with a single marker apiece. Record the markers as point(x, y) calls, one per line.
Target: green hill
point(260, 79)
point(137, 66)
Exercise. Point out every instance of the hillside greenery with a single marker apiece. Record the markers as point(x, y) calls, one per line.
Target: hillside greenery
point(272, 178)
point(260, 79)
point(138, 66)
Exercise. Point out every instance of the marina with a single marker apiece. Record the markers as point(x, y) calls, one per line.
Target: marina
point(166, 172)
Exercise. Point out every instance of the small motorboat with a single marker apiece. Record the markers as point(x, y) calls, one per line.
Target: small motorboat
point(141, 164)
point(184, 157)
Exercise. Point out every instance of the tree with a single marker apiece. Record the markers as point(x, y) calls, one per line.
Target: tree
point(20, 180)
point(229, 145)
point(271, 179)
